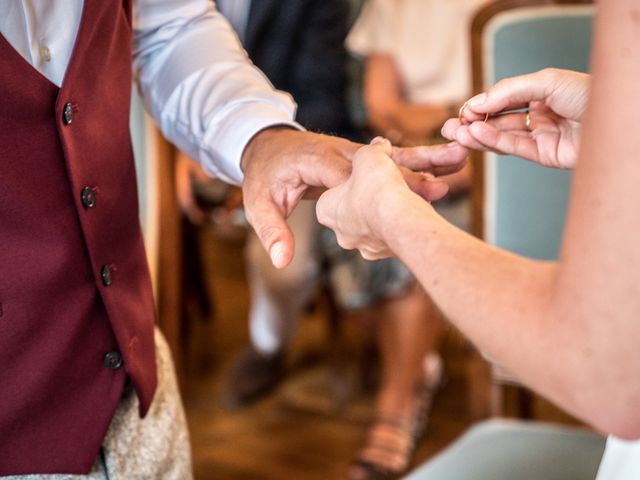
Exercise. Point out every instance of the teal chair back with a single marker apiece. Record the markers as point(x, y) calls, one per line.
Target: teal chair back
point(524, 204)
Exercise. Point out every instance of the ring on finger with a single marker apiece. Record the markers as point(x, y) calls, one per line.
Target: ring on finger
point(461, 112)
point(527, 121)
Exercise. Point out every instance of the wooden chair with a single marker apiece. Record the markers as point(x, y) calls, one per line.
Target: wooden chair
point(161, 224)
point(518, 205)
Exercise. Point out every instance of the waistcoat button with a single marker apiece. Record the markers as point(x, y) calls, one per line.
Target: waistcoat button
point(67, 114)
point(105, 273)
point(88, 197)
point(112, 360)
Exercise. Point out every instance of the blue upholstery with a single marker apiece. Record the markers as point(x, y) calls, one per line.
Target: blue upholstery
point(516, 450)
point(525, 204)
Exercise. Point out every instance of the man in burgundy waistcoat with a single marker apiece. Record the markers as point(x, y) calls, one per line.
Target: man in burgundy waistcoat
point(76, 309)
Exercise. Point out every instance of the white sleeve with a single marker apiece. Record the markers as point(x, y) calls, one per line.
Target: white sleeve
point(199, 85)
point(374, 29)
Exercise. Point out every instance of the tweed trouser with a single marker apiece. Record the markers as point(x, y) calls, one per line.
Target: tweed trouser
point(156, 447)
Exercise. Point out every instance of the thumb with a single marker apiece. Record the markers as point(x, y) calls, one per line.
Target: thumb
point(383, 144)
point(273, 232)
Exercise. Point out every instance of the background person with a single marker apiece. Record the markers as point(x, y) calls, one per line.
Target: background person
point(569, 328)
point(417, 73)
point(300, 47)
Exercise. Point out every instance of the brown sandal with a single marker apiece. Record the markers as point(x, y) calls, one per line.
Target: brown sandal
point(389, 437)
point(388, 451)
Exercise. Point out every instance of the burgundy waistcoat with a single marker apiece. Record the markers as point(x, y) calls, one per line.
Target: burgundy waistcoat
point(76, 308)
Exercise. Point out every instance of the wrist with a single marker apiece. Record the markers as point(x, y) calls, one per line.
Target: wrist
point(262, 140)
point(393, 208)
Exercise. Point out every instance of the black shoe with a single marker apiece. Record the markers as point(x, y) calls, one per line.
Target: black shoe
point(252, 376)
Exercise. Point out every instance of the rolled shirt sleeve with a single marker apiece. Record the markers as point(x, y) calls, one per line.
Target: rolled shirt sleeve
point(199, 85)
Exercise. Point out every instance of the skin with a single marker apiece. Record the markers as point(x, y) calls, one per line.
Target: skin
point(303, 161)
point(283, 165)
point(389, 111)
point(569, 329)
point(392, 115)
point(556, 101)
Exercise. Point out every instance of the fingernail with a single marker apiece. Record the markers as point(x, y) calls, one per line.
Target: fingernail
point(378, 140)
point(478, 100)
point(276, 252)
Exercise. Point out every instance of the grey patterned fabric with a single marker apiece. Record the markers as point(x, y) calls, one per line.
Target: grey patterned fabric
point(156, 447)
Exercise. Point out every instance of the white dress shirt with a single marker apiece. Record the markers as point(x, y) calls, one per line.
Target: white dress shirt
point(195, 79)
point(621, 460)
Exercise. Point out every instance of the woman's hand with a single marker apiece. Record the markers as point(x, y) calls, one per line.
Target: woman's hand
point(361, 209)
point(547, 132)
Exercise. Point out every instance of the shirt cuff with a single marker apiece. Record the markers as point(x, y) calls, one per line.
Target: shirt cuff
point(232, 137)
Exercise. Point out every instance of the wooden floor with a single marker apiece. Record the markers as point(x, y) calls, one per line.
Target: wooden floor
point(296, 432)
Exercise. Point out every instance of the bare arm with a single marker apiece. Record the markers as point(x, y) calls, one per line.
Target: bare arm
point(382, 92)
point(388, 112)
point(571, 330)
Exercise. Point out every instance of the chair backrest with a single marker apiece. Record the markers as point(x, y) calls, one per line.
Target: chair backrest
point(522, 206)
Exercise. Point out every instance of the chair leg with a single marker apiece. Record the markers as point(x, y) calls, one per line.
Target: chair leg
point(525, 404)
point(497, 399)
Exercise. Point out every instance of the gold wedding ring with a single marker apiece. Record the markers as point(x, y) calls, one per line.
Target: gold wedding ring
point(527, 121)
point(461, 111)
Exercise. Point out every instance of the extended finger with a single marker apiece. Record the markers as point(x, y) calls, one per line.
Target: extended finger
point(455, 130)
point(437, 159)
point(504, 142)
point(462, 136)
point(512, 93)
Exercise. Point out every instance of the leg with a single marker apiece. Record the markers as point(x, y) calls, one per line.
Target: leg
point(408, 329)
point(277, 298)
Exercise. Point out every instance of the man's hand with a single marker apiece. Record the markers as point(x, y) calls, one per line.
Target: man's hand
point(549, 134)
point(361, 209)
point(283, 165)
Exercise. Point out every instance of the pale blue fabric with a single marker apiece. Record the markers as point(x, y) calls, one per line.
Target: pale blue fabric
point(516, 450)
point(531, 203)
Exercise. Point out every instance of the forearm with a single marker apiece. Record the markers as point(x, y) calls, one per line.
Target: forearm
point(199, 85)
point(420, 121)
point(600, 270)
point(507, 305)
point(382, 94)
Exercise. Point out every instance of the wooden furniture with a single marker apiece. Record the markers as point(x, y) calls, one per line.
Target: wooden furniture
point(161, 224)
